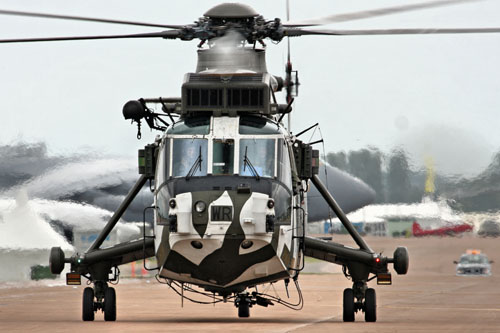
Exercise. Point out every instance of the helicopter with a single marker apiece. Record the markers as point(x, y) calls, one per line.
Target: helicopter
point(230, 182)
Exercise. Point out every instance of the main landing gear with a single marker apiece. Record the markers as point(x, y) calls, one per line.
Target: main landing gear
point(103, 298)
point(360, 298)
point(88, 304)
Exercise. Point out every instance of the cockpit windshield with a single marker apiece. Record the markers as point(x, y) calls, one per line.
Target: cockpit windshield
point(189, 154)
point(246, 146)
point(261, 153)
point(223, 157)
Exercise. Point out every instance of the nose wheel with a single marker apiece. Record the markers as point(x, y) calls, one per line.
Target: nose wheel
point(244, 310)
point(243, 302)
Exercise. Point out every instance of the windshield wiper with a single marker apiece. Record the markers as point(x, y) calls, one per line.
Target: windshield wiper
point(246, 162)
point(196, 165)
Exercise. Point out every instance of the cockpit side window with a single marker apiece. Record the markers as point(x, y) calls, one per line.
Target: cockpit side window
point(284, 166)
point(189, 155)
point(161, 168)
point(223, 157)
point(257, 155)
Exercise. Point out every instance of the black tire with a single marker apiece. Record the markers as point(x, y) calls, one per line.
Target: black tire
point(348, 313)
point(370, 305)
point(56, 260)
point(110, 304)
point(88, 304)
point(243, 310)
point(401, 260)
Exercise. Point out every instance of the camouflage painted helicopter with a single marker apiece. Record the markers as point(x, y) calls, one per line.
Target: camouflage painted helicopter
point(230, 181)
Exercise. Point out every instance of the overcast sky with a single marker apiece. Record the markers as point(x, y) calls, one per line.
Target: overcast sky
point(435, 95)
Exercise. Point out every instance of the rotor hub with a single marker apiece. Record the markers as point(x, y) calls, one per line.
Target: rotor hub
point(231, 11)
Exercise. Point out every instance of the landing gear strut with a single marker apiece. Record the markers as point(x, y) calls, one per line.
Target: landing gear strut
point(97, 264)
point(243, 303)
point(360, 298)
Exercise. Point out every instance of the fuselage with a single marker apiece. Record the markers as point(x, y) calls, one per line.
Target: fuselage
point(226, 215)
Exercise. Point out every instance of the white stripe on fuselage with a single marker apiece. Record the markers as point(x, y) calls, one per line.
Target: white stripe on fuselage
point(253, 221)
point(213, 237)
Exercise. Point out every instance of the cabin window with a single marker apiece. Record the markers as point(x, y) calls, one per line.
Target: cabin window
point(189, 154)
point(223, 157)
point(257, 155)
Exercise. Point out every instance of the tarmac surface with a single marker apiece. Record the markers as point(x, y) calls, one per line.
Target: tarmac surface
point(429, 299)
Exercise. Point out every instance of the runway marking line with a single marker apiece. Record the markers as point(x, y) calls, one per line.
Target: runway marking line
point(441, 308)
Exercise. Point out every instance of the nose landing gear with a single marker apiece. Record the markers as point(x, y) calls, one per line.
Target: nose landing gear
point(243, 302)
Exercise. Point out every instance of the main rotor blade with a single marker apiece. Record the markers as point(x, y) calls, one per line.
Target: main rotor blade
point(372, 13)
point(372, 32)
point(169, 34)
point(88, 19)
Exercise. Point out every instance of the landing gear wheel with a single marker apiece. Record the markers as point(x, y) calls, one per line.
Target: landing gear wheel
point(348, 314)
point(110, 304)
point(56, 260)
point(243, 310)
point(88, 304)
point(370, 305)
point(401, 260)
